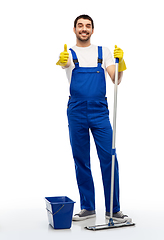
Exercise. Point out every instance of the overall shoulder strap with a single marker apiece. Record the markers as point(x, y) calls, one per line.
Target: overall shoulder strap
point(75, 59)
point(100, 59)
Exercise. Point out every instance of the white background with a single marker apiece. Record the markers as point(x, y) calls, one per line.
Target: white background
point(35, 154)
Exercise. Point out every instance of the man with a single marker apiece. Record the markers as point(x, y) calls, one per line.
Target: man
point(86, 67)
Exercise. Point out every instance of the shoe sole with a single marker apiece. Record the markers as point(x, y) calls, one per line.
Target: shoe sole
point(83, 218)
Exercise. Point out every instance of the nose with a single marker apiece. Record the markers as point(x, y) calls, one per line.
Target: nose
point(84, 28)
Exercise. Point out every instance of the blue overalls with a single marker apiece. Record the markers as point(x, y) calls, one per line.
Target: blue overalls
point(88, 109)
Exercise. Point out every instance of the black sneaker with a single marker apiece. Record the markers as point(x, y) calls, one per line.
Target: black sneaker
point(84, 214)
point(119, 217)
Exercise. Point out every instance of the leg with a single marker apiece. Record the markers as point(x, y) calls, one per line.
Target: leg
point(103, 140)
point(80, 142)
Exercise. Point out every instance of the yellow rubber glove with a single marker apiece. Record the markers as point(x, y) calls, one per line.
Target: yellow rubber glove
point(118, 53)
point(63, 59)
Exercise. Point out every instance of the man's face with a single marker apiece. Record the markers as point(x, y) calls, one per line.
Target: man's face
point(83, 29)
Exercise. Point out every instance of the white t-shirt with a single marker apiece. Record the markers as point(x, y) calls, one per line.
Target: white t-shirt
point(87, 57)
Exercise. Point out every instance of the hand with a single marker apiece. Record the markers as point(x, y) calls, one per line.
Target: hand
point(118, 53)
point(63, 59)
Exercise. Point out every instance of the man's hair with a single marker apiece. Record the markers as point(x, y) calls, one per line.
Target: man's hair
point(84, 17)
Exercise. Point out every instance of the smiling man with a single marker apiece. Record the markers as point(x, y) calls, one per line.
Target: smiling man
point(86, 68)
point(83, 30)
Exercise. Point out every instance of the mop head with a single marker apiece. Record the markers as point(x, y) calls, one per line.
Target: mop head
point(112, 224)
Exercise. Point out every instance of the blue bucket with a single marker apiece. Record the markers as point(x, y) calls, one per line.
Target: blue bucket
point(59, 211)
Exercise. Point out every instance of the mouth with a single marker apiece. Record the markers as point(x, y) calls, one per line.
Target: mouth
point(84, 34)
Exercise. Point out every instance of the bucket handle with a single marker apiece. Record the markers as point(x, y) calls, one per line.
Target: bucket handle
point(57, 211)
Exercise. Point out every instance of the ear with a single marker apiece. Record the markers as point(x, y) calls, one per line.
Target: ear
point(74, 30)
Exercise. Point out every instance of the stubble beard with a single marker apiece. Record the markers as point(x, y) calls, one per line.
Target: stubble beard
point(83, 40)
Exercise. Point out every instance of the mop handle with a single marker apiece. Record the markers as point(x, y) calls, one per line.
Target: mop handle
point(115, 104)
point(114, 137)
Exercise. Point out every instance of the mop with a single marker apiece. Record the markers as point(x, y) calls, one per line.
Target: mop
point(113, 223)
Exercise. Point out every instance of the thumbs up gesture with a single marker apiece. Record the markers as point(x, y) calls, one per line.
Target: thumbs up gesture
point(63, 59)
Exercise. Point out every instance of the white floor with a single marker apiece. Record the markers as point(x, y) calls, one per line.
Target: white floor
point(33, 224)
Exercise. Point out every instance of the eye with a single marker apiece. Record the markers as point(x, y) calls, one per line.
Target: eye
point(80, 25)
point(88, 25)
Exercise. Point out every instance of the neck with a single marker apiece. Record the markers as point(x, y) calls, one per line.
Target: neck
point(83, 43)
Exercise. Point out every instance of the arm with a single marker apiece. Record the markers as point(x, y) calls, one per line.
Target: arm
point(118, 53)
point(111, 71)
